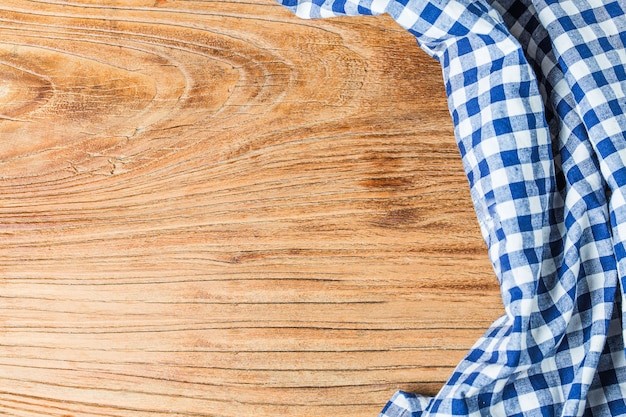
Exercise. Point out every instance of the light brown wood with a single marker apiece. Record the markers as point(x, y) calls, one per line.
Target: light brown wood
point(218, 209)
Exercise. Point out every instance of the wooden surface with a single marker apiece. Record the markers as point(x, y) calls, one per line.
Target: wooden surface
point(217, 209)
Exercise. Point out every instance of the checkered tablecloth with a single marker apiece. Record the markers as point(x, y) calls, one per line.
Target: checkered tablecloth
point(537, 93)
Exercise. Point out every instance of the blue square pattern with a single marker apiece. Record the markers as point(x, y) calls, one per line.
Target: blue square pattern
point(431, 13)
point(557, 254)
point(338, 6)
point(614, 9)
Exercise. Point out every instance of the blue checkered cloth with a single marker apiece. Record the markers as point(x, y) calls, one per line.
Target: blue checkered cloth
point(537, 93)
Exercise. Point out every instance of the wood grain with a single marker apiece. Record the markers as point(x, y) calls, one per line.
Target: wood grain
point(217, 209)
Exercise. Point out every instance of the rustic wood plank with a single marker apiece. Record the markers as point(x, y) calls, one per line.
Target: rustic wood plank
point(217, 209)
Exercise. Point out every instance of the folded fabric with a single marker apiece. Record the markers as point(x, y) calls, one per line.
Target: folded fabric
point(537, 94)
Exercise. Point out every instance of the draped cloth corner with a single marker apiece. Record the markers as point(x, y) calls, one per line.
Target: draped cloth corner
point(537, 94)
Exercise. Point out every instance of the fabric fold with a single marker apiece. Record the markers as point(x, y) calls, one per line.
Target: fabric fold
point(536, 92)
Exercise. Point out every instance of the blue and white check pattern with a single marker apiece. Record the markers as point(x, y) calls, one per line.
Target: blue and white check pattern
point(537, 93)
